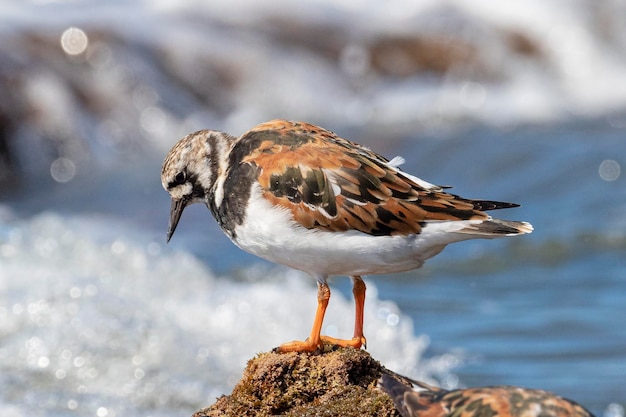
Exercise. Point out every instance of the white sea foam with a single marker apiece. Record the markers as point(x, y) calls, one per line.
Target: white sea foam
point(98, 320)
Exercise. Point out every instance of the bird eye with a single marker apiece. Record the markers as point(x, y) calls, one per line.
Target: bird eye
point(180, 178)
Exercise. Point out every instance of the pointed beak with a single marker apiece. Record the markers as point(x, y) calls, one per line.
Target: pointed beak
point(175, 212)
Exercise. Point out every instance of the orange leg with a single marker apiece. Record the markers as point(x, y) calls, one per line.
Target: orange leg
point(314, 341)
point(358, 340)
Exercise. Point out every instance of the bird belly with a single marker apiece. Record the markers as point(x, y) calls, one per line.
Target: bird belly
point(270, 233)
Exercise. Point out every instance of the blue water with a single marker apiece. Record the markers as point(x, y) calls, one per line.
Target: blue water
point(98, 316)
point(545, 310)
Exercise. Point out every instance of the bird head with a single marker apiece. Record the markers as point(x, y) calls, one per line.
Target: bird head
point(190, 170)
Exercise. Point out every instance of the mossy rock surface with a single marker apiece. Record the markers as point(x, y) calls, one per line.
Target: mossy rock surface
point(341, 382)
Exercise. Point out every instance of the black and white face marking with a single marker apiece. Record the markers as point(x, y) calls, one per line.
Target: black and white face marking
point(191, 170)
point(181, 190)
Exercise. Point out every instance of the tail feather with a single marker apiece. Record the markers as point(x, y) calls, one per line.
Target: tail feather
point(496, 227)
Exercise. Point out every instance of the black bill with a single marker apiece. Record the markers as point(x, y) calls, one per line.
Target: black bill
point(175, 212)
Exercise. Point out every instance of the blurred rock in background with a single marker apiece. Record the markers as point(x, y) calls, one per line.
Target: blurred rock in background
point(80, 87)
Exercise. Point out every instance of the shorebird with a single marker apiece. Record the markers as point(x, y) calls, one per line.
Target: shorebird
point(298, 195)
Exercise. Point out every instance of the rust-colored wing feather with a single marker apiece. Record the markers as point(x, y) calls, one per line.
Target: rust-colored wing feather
point(330, 183)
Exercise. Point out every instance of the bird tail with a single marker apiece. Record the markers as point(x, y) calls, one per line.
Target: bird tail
point(495, 228)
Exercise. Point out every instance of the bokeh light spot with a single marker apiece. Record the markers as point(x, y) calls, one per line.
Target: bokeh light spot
point(62, 170)
point(393, 319)
point(614, 410)
point(609, 170)
point(43, 361)
point(74, 41)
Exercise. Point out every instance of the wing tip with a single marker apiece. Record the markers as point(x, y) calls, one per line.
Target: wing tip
point(486, 205)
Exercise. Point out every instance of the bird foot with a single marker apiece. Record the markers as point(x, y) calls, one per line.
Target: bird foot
point(307, 346)
point(298, 346)
point(355, 342)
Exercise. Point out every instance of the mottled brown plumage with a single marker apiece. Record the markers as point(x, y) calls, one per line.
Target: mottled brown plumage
point(333, 184)
point(417, 399)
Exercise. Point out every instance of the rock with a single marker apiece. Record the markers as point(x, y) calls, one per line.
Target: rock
point(340, 382)
point(348, 382)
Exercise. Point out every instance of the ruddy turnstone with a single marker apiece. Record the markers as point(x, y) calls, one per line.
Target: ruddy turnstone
point(299, 195)
point(414, 399)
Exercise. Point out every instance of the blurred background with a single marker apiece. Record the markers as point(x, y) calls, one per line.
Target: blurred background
point(513, 101)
